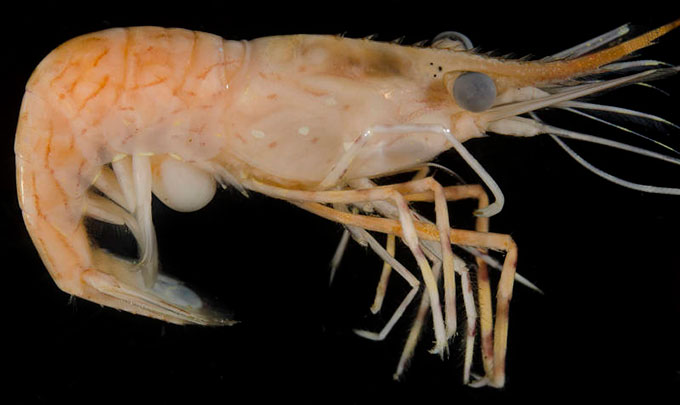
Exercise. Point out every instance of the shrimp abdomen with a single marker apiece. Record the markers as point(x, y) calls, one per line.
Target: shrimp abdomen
point(97, 98)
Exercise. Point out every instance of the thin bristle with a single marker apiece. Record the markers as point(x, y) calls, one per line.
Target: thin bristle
point(646, 63)
point(622, 128)
point(617, 110)
point(611, 178)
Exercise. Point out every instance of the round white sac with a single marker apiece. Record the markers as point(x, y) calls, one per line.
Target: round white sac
point(182, 186)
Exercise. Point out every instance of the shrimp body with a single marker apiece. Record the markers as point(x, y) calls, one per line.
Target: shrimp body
point(110, 117)
point(281, 109)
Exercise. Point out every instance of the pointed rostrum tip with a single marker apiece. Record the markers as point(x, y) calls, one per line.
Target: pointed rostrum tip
point(565, 69)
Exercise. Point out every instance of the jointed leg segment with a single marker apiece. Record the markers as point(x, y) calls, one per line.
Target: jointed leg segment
point(384, 275)
point(434, 253)
point(453, 193)
point(413, 232)
point(399, 268)
point(460, 237)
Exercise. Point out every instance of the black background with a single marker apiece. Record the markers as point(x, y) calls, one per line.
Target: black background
point(606, 257)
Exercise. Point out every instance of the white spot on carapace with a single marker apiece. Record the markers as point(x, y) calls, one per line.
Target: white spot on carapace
point(175, 156)
point(330, 101)
point(257, 133)
point(303, 131)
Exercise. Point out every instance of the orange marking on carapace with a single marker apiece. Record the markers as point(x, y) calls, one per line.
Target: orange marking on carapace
point(94, 94)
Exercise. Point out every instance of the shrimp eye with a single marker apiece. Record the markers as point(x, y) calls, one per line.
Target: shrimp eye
point(474, 91)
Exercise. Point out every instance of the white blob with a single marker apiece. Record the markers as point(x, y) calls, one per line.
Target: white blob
point(303, 131)
point(177, 294)
point(330, 101)
point(257, 133)
point(182, 186)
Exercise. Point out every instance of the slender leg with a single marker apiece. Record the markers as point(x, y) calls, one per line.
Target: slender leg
point(148, 262)
point(122, 167)
point(460, 237)
point(442, 219)
point(410, 237)
point(470, 316)
point(337, 256)
point(503, 297)
point(416, 327)
point(129, 186)
point(384, 276)
point(451, 193)
point(107, 183)
point(484, 287)
point(484, 292)
point(494, 357)
point(399, 268)
point(405, 228)
point(334, 177)
point(365, 238)
point(105, 210)
point(394, 192)
point(342, 245)
point(390, 244)
point(390, 193)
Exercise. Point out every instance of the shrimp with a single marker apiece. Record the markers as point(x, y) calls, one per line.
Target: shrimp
point(112, 118)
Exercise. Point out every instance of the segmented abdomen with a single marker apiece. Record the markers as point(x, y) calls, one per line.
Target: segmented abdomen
point(136, 90)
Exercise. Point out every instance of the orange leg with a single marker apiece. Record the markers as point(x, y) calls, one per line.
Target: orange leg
point(454, 193)
point(409, 235)
point(451, 193)
point(425, 231)
point(384, 276)
point(412, 232)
